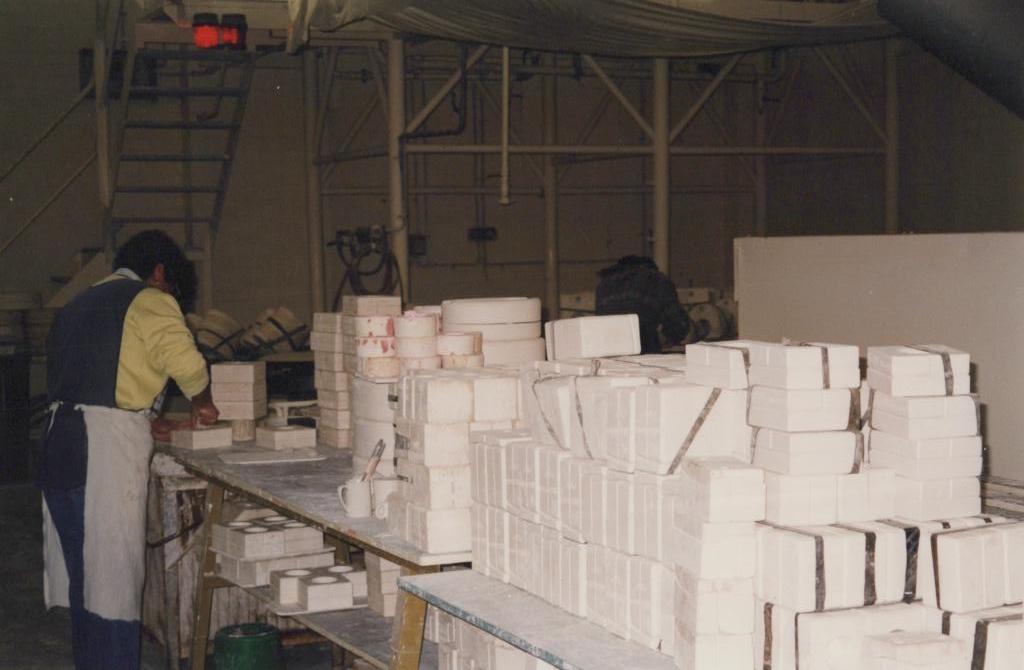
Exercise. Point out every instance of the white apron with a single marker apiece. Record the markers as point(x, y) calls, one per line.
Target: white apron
point(114, 546)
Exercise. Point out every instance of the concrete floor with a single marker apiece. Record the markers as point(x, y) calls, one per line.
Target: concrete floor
point(30, 636)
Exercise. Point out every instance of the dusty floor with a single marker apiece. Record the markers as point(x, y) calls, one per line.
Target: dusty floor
point(31, 637)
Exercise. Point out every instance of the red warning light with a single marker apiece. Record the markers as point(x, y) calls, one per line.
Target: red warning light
point(205, 31)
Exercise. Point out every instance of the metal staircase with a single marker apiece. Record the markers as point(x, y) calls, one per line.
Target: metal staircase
point(177, 144)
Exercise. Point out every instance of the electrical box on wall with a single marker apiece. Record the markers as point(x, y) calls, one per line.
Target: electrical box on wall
point(417, 245)
point(482, 234)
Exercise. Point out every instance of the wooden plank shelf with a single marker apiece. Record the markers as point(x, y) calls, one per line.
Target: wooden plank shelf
point(531, 624)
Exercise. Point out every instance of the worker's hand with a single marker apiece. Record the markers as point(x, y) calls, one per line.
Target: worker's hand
point(204, 412)
point(161, 428)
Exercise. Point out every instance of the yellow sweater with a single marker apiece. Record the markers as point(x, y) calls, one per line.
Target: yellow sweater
point(156, 344)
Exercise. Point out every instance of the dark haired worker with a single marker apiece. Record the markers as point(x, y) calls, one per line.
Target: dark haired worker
point(634, 285)
point(110, 353)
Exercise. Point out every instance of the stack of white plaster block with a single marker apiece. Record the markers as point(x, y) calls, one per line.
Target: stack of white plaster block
point(239, 390)
point(715, 555)
point(373, 419)
point(381, 584)
point(805, 410)
point(437, 410)
point(331, 347)
point(510, 327)
point(925, 427)
point(249, 551)
point(593, 337)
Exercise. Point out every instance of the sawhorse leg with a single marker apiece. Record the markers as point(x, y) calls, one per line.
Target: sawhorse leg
point(407, 633)
point(206, 579)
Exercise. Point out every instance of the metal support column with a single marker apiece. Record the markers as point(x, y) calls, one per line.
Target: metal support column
point(892, 138)
point(99, 74)
point(550, 104)
point(760, 161)
point(314, 220)
point(661, 241)
point(396, 187)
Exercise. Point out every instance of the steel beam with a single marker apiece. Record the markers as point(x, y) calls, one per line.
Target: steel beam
point(431, 105)
point(312, 115)
point(661, 199)
point(550, 110)
point(892, 138)
point(709, 91)
point(396, 186)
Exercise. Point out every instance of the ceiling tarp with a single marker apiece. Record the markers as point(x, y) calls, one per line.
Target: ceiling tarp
point(635, 28)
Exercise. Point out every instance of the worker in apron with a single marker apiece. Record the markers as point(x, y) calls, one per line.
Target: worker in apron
point(110, 353)
point(634, 285)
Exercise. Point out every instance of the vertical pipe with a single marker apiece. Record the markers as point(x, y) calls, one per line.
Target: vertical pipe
point(760, 161)
point(396, 126)
point(314, 217)
point(552, 297)
point(892, 138)
point(99, 74)
point(662, 250)
point(506, 84)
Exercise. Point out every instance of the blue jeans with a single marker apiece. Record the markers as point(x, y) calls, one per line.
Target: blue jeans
point(97, 643)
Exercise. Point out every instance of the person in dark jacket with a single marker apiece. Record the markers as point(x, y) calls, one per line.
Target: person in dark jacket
point(634, 285)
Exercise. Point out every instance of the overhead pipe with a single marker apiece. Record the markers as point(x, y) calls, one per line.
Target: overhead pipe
point(662, 202)
point(551, 260)
point(980, 40)
point(398, 229)
point(465, 63)
point(314, 219)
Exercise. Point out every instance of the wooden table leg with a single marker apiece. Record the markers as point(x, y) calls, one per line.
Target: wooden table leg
point(206, 578)
point(407, 633)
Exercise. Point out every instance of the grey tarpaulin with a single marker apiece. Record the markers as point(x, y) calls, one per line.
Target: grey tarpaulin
point(633, 28)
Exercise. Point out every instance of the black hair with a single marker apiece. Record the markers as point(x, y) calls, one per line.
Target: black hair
point(144, 251)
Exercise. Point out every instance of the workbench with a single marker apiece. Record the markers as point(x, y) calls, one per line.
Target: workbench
point(308, 492)
point(531, 624)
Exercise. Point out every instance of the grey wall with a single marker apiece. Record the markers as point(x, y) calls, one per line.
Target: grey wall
point(962, 158)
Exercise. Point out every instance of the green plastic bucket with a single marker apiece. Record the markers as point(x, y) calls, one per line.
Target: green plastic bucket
point(248, 646)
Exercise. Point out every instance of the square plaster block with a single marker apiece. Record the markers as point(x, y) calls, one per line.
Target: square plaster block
point(328, 342)
point(925, 417)
point(939, 458)
point(593, 337)
point(816, 365)
point(571, 497)
point(801, 500)
point(214, 437)
point(498, 543)
point(902, 650)
point(573, 577)
point(436, 487)
point(285, 437)
point(236, 372)
point(439, 531)
point(238, 391)
point(977, 568)
point(720, 364)
point(822, 453)
point(257, 571)
point(327, 322)
point(721, 490)
point(620, 512)
point(651, 601)
point(340, 419)
point(1003, 632)
point(654, 498)
point(938, 498)
point(336, 400)
point(549, 473)
point(905, 371)
point(478, 541)
point(245, 539)
point(867, 495)
point(595, 397)
point(329, 361)
point(435, 444)
point(667, 416)
point(231, 411)
point(370, 400)
point(447, 399)
point(715, 550)
point(800, 410)
point(713, 652)
point(713, 606)
point(835, 640)
point(593, 503)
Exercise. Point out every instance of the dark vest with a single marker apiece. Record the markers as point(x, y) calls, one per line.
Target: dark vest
point(82, 354)
point(84, 344)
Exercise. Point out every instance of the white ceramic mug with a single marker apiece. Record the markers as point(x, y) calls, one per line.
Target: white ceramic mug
point(355, 498)
point(381, 488)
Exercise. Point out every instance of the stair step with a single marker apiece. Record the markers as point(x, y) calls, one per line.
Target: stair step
point(182, 125)
point(217, 55)
point(151, 220)
point(175, 158)
point(197, 92)
point(167, 189)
